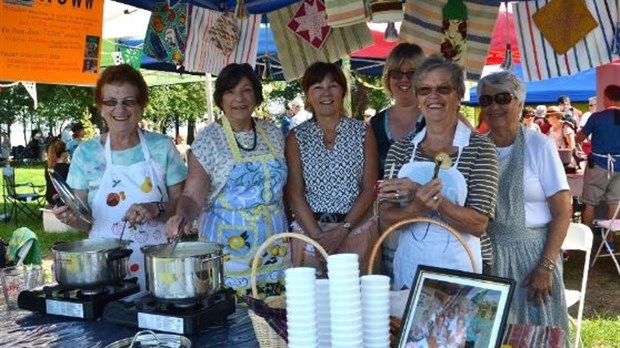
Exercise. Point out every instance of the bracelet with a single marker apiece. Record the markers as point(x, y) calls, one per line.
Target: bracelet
point(548, 259)
point(549, 266)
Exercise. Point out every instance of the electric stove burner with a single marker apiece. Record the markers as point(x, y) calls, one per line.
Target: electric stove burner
point(144, 311)
point(85, 304)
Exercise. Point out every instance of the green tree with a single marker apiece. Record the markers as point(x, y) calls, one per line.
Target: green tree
point(16, 105)
point(59, 104)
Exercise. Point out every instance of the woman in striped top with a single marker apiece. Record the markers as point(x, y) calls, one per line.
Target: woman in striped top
point(462, 196)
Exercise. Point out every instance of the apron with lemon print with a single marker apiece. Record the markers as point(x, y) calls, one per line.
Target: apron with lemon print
point(247, 211)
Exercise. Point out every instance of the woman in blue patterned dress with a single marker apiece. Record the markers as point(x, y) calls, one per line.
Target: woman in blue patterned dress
point(235, 182)
point(333, 167)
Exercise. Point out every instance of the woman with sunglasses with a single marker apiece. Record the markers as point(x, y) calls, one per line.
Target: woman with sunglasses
point(127, 176)
point(463, 195)
point(528, 119)
point(533, 207)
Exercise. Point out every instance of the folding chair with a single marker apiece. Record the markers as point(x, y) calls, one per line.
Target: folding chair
point(606, 227)
point(27, 203)
point(578, 237)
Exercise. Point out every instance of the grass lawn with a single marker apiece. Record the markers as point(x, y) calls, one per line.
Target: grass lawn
point(601, 326)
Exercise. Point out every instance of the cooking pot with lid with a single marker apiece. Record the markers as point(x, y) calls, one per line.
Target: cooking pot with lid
point(148, 338)
point(190, 272)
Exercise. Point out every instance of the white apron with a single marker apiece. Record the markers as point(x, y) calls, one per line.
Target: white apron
point(429, 244)
point(121, 186)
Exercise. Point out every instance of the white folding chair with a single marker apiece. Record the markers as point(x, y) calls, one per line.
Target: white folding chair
point(578, 237)
point(606, 227)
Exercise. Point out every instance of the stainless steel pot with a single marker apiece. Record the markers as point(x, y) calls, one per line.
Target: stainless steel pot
point(148, 338)
point(192, 271)
point(90, 263)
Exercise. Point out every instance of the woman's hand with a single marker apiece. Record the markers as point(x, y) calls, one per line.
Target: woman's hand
point(64, 214)
point(428, 197)
point(332, 239)
point(539, 283)
point(140, 213)
point(400, 190)
point(175, 225)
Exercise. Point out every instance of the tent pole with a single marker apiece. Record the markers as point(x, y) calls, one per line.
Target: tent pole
point(209, 97)
point(346, 69)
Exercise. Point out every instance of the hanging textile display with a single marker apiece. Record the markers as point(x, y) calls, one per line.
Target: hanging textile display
point(166, 34)
point(296, 54)
point(539, 59)
point(341, 13)
point(442, 27)
point(385, 11)
point(310, 23)
point(216, 39)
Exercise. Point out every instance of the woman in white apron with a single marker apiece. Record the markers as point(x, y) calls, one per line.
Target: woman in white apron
point(127, 175)
point(463, 195)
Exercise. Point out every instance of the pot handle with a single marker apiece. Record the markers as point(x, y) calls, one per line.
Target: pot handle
point(141, 333)
point(118, 254)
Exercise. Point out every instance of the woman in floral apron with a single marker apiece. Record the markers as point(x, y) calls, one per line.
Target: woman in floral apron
point(127, 175)
point(241, 161)
point(463, 195)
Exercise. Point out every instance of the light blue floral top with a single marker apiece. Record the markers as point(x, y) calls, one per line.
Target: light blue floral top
point(88, 162)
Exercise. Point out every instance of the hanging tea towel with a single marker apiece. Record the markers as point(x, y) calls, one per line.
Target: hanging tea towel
point(166, 34)
point(203, 54)
point(538, 57)
point(296, 54)
point(424, 25)
point(225, 33)
point(385, 11)
point(21, 238)
point(341, 13)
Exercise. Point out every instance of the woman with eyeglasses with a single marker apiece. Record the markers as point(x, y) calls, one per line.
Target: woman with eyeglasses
point(463, 194)
point(528, 119)
point(127, 176)
point(533, 207)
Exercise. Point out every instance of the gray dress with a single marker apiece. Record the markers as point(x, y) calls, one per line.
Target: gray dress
point(518, 249)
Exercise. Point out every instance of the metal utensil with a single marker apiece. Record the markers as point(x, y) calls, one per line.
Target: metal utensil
point(442, 161)
point(68, 197)
point(178, 236)
point(123, 230)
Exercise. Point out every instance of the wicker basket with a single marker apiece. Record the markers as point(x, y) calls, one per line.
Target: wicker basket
point(267, 338)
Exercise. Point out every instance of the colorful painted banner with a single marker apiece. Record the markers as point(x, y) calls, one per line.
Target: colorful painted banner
point(50, 41)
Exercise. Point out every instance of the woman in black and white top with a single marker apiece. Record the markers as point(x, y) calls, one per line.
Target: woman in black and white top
point(332, 162)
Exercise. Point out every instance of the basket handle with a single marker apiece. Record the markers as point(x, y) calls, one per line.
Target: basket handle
point(396, 226)
point(270, 241)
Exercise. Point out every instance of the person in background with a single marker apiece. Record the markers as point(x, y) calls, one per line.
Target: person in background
point(528, 119)
point(65, 135)
point(58, 161)
point(182, 146)
point(35, 150)
point(77, 137)
point(332, 162)
point(533, 207)
point(128, 176)
point(601, 181)
point(369, 114)
point(566, 108)
point(237, 173)
point(586, 145)
point(300, 115)
point(462, 195)
point(541, 120)
point(5, 147)
point(562, 135)
point(285, 120)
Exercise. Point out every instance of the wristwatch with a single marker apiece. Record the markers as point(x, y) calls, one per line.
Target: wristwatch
point(347, 226)
point(161, 208)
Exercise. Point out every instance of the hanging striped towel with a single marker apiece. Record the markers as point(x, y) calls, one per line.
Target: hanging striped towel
point(423, 26)
point(342, 13)
point(203, 55)
point(384, 11)
point(538, 58)
point(295, 54)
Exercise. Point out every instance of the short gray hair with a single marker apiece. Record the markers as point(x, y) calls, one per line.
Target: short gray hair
point(434, 62)
point(504, 81)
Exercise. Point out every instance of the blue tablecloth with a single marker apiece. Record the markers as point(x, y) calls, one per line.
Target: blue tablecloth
point(21, 328)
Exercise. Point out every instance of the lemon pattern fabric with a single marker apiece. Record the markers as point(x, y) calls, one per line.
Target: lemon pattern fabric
point(248, 209)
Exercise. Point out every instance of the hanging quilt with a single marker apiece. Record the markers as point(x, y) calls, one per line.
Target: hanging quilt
point(310, 23)
point(538, 57)
point(296, 54)
point(341, 13)
point(210, 47)
point(166, 34)
point(459, 30)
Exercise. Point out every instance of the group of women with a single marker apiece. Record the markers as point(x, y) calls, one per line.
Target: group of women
point(244, 182)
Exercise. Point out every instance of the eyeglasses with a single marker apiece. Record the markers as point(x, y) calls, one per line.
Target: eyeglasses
point(443, 90)
point(528, 115)
point(397, 74)
point(591, 104)
point(129, 102)
point(500, 98)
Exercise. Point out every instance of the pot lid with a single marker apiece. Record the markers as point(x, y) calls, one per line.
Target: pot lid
point(183, 249)
point(149, 339)
point(69, 198)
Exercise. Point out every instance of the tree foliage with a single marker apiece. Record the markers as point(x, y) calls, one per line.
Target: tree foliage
point(16, 105)
point(176, 105)
point(59, 105)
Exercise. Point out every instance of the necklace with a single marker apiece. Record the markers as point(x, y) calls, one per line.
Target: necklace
point(241, 147)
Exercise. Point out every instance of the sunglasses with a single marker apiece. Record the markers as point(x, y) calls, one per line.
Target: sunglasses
point(443, 90)
point(528, 115)
point(129, 102)
point(500, 98)
point(591, 104)
point(397, 74)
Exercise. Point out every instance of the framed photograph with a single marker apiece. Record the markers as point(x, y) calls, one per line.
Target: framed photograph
point(448, 308)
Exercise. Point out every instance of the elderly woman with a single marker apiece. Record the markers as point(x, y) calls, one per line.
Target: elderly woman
point(533, 207)
point(333, 167)
point(235, 184)
point(126, 175)
point(463, 195)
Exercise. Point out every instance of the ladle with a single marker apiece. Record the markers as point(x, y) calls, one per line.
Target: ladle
point(443, 161)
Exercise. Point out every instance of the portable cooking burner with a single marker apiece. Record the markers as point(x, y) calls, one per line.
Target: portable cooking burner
point(144, 311)
point(75, 303)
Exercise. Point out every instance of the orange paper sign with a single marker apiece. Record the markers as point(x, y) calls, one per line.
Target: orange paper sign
point(50, 41)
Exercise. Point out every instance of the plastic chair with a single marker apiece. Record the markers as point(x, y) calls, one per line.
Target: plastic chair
point(606, 227)
point(20, 202)
point(578, 237)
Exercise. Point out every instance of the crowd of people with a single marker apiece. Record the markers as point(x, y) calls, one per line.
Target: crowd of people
point(504, 192)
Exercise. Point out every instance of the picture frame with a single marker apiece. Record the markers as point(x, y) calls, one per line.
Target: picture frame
point(448, 308)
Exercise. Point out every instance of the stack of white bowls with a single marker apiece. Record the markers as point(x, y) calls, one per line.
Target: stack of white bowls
point(376, 311)
point(345, 300)
point(323, 322)
point(301, 307)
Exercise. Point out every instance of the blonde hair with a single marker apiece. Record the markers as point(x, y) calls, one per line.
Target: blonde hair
point(399, 54)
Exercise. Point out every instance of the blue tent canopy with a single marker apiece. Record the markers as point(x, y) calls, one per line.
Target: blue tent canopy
point(578, 87)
